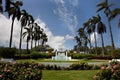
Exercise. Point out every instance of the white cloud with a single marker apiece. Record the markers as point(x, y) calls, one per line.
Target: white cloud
point(69, 37)
point(66, 15)
point(53, 41)
point(92, 37)
point(5, 27)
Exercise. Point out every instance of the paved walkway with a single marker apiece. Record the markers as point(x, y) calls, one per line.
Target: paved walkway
point(67, 64)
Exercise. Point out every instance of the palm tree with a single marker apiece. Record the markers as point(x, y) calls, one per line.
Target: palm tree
point(93, 22)
point(24, 22)
point(79, 42)
point(13, 9)
point(1, 8)
point(88, 29)
point(31, 25)
point(83, 38)
point(114, 13)
point(44, 38)
point(106, 7)
point(36, 33)
point(101, 28)
point(28, 33)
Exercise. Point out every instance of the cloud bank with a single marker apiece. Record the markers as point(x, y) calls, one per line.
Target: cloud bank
point(5, 27)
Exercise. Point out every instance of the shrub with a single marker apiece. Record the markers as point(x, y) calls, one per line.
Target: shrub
point(111, 72)
point(83, 66)
point(20, 71)
point(6, 52)
point(82, 56)
point(36, 55)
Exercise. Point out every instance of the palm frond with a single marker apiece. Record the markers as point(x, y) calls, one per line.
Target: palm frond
point(114, 13)
point(119, 23)
point(100, 8)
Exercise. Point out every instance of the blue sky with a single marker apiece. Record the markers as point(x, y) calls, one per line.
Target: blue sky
point(62, 18)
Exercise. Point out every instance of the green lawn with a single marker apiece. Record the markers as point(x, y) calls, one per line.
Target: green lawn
point(73, 60)
point(68, 75)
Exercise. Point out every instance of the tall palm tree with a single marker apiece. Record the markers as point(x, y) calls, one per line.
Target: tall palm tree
point(1, 8)
point(88, 29)
point(36, 33)
point(28, 33)
point(24, 22)
point(101, 28)
point(13, 9)
point(83, 38)
point(93, 22)
point(31, 25)
point(79, 42)
point(44, 38)
point(106, 7)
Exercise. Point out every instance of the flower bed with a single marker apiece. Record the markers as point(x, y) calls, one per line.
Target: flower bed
point(20, 71)
point(111, 72)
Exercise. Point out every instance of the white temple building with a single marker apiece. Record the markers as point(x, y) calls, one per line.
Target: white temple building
point(61, 55)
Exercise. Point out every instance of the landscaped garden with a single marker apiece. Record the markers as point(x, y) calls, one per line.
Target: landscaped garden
point(39, 61)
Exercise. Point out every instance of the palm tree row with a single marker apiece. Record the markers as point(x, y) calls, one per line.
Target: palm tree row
point(95, 24)
point(33, 30)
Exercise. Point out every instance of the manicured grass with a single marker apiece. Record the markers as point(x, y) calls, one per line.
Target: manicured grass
point(68, 75)
point(73, 60)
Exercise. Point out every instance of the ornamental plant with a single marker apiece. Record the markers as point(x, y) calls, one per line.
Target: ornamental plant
point(110, 72)
point(20, 71)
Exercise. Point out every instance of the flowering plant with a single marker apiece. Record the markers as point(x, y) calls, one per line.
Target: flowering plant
point(111, 72)
point(20, 71)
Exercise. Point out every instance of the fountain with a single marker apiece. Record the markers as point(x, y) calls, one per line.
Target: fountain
point(61, 55)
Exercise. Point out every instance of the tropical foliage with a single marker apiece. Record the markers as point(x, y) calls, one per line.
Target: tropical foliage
point(33, 30)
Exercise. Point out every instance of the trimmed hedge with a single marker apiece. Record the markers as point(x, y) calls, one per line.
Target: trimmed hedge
point(6, 52)
point(81, 56)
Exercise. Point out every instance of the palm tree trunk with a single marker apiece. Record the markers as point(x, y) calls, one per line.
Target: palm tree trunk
point(112, 40)
point(31, 43)
point(95, 43)
point(90, 43)
point(111, 35)
point(27, 46)
point(11, 34)
point(35, 43)
point(103, 48)
point(20, 40)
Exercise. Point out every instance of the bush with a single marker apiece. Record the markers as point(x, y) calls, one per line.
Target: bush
point(20, 71)
point(117, 54)
point(83, 66)
point(6, 52)
point(82, 56)
point(111, 72)
point(37, 55)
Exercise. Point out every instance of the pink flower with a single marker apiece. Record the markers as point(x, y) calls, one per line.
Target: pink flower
point(102, 67)
point(95, 77)
point(115, 66)
point(108, 67)
point(0, 75)
point(39, 64)
point(6, 71)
